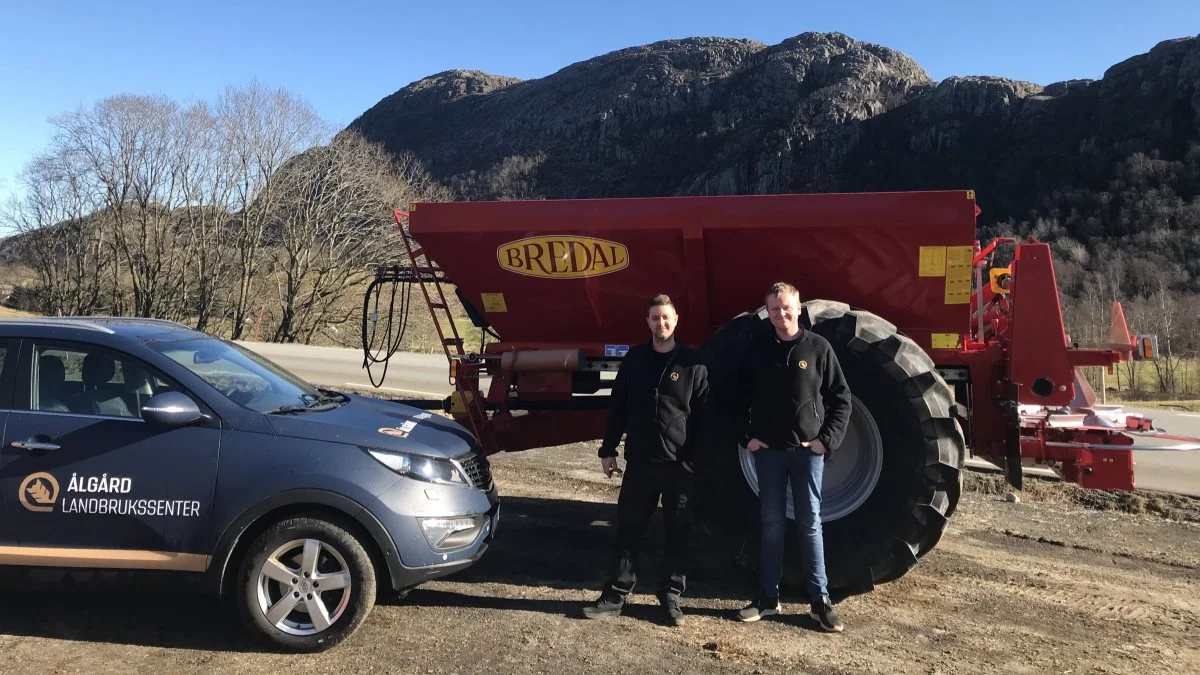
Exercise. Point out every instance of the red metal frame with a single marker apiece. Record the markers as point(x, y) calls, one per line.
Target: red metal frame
point(464, 379)
point(713, 255)
point(549, 275)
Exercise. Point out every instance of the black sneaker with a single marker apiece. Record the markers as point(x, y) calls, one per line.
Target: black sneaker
point(760, 609)
point(609, 604)
point(670, 603)
point(825, 615)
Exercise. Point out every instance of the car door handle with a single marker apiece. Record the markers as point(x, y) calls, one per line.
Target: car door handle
point(34, 445)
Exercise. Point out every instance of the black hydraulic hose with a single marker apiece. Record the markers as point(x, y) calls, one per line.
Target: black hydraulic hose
point(390, 345)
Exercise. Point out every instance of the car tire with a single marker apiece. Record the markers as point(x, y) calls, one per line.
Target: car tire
point(280, 584)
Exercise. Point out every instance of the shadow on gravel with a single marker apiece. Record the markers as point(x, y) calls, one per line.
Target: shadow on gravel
point(567, 544)
point(651, 613)
point(540, 543)
point(162, 619)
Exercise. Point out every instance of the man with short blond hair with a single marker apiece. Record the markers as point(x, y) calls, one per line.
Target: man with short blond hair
point(658, 397)
point(783, 288)
point(799, 411)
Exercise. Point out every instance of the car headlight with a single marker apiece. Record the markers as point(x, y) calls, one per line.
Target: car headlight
point(420, 467)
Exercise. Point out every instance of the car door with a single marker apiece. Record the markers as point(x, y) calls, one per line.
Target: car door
point(8, 360)
point(86, 481)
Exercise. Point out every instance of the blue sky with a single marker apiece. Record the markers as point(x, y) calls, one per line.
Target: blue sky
point(344, 56)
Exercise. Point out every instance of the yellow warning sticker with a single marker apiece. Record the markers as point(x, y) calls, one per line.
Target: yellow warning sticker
point(493, 303)
point(958, 284)
point(933, 261)
point(945, 341)
point(959, 255)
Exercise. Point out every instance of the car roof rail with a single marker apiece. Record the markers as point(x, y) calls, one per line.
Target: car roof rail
point(137, 319)
point(101, 319)
point(63, 322)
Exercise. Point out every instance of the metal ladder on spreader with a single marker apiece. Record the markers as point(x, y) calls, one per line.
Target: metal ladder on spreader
point(466, 389)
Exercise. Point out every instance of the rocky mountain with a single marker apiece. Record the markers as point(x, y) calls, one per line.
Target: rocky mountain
point(695, 116)
point(1095, 165)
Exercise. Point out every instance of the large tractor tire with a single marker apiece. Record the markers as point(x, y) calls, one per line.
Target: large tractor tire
point(893, 482)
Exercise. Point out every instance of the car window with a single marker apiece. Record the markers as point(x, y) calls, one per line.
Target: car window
point(89, 380)
point(243, 376)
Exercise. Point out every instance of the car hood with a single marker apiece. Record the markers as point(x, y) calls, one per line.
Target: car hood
point(382, 425)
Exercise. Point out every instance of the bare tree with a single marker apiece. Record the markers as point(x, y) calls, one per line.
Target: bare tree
point(1165, 319)
point(129, 147)
point(336, 217)
point(413, 183)
point(208, 178)
point(149, 208)
point(60, 236)
point(264, 128)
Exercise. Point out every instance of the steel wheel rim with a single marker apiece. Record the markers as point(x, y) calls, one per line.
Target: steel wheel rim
point(851, 473)
point(304, 587)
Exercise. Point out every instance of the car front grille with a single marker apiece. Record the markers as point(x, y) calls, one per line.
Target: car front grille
point(479, 470)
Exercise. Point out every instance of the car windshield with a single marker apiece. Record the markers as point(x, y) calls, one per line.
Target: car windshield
point(245, 377)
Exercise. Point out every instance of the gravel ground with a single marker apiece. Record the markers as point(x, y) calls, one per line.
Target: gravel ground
point(1066, 580)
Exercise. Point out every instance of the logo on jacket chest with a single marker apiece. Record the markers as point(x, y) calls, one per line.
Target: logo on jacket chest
point(674, 375)
point(803, 365)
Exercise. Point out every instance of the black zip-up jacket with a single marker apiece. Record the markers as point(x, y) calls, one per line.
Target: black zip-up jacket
point(658, 410)
point(797, 392)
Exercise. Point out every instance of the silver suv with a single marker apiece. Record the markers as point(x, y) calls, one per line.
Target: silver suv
point(143, 446)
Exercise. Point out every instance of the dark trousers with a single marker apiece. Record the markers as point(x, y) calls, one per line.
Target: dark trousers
point(804, 470)
point(644, 484)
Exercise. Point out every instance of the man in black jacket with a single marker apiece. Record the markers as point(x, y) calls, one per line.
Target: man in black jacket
point(657, 401)
point(799, 411)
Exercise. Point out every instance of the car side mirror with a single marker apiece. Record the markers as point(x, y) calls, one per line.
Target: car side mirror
point(171, 409)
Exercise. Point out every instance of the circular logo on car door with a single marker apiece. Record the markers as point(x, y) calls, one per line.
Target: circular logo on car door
point(38, 492)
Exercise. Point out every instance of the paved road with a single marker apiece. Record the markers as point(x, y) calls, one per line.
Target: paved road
point(422, 375)
point(1171, 471)
point(425, 375)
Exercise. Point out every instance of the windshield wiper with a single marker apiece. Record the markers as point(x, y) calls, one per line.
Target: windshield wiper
point(317, 405)
point(331, 395)
point(311, 403)
point(288, 408)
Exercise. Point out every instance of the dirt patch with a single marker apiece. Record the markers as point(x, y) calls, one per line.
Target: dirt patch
point(1057, 582)
point(1041, 490)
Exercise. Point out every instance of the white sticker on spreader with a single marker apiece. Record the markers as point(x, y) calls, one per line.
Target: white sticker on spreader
point(616, 350)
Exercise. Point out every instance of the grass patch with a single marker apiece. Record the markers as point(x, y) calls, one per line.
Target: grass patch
point(1187, 405)
point(10, 313)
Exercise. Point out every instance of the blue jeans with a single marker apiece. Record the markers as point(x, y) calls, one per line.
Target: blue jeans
point(804, 469)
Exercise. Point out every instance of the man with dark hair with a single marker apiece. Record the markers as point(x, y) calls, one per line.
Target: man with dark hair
point(658, 398)
point(799, 410)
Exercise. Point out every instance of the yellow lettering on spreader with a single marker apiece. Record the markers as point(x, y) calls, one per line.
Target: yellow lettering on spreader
point(562, 257)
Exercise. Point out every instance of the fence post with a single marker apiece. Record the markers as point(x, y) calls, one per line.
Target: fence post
point(258, 324)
